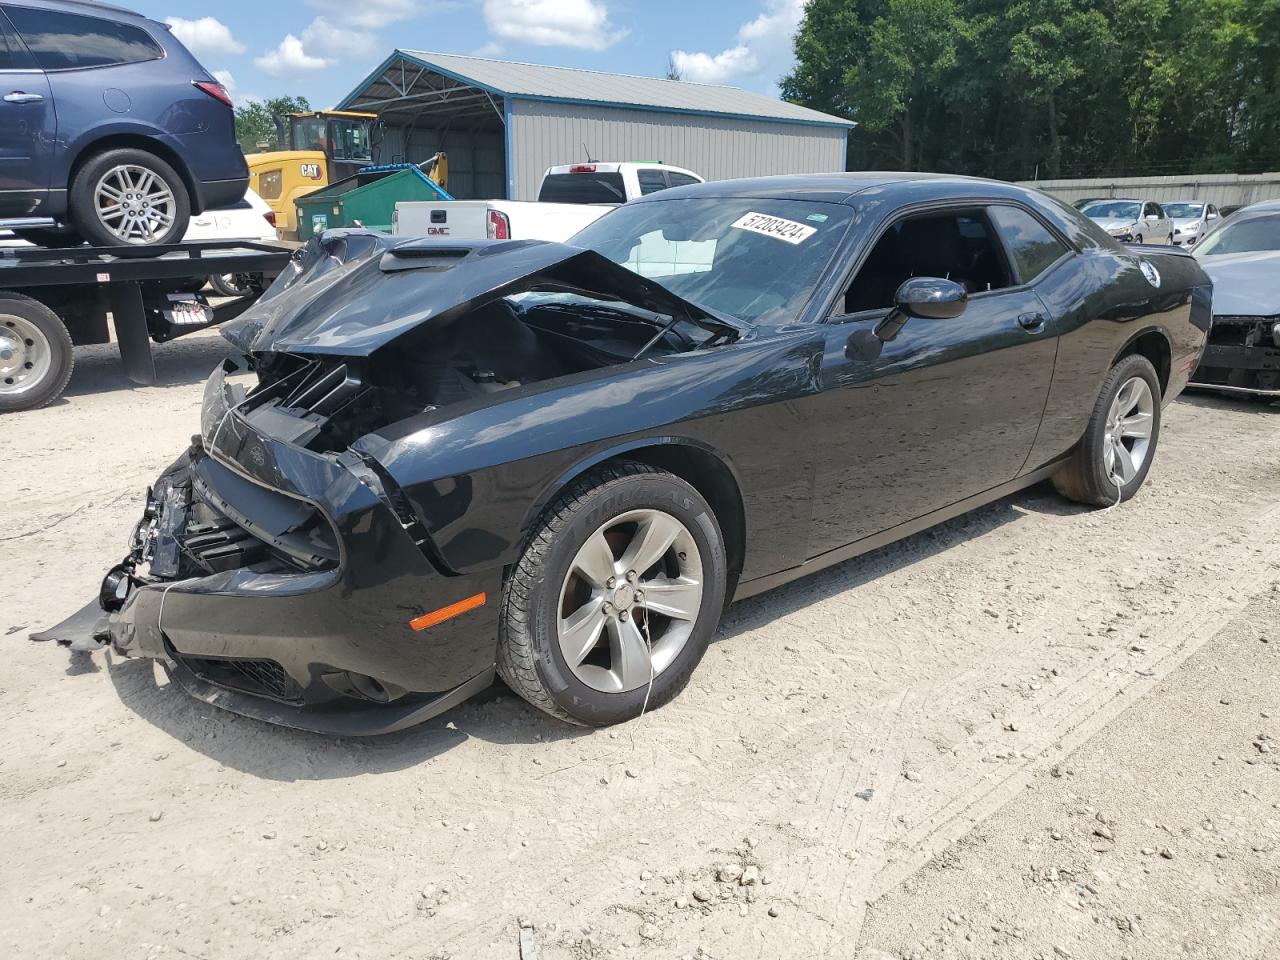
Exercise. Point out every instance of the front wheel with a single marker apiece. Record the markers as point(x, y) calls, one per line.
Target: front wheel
point(1137, 238)
point(615, 597)
point(1111, 460)
point(128, 197)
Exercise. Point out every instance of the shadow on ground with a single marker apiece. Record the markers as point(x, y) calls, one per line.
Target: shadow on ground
point(498, 716)
point(179, 362)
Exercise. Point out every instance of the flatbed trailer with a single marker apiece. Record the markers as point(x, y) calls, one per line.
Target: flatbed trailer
point(54, 299)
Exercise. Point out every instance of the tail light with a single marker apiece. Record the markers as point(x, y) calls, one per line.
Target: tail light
point(214, 89)
point(583, 168)
point(270, 217)
point(499, 227)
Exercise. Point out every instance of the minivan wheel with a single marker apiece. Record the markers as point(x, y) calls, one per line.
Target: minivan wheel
point(615, 597)
point(35, 353)
point(1111, 460)
point(128, 197)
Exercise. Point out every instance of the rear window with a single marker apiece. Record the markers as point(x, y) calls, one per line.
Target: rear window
point(1034, 248)
point(582, 188)
point(651, 181)
point(66, 41)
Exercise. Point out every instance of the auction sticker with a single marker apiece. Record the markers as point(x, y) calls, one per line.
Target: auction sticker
point(780, 229)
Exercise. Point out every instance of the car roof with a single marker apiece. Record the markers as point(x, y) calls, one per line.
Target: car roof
point(844, 187)
point(1261, 207)
point(89, 7)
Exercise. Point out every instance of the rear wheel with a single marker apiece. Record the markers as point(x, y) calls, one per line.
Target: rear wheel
point(232, 284)
point(1111, 460)
point(128, 197)
point(615, 597)
point(35, 353)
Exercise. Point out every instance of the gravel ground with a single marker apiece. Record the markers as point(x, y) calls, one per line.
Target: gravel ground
point(842, 733)
point(1158, 838)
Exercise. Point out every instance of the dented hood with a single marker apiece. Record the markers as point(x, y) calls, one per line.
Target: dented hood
point(351, 292)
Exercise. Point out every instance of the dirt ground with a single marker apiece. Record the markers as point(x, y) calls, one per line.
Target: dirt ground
point(881, 733)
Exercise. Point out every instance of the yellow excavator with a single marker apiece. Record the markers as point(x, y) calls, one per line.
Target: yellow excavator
point(324, 146)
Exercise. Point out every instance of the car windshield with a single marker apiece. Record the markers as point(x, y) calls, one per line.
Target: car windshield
point(1113, 210)
point(758, 260)
point(1250, 235)
point(1184, 211)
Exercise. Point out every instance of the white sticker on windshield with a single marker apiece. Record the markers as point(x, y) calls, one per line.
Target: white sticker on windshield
point(776, 227)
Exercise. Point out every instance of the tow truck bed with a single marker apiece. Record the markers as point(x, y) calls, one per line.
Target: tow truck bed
point(151, 294)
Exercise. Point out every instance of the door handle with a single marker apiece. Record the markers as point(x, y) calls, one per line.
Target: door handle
point(18, 96)
point(1031, 322)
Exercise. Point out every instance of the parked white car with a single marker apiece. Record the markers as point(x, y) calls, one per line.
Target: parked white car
point(1131, 221)
point(571, 196)
point(1191, 220)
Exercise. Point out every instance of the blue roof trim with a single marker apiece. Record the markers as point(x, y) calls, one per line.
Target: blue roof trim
point(347, 101)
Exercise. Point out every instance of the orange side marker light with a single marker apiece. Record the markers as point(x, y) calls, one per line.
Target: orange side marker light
point(447, 613)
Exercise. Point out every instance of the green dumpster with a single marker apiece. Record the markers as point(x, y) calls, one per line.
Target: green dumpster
point(367, 198)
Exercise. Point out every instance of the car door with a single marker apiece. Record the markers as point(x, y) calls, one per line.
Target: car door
point(1156, 226)
point(944, 410)
point(28, 126)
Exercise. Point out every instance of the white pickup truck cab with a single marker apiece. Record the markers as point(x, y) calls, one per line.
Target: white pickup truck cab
point(571, 196)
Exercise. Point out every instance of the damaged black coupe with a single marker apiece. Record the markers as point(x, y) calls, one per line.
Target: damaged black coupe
point(559, 463)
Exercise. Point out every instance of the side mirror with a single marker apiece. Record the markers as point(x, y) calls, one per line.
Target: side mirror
point(929, 298)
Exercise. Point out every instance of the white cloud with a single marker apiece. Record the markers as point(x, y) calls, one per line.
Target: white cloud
point(553, 23)
point(205, 35)
point(288, 57)
point(764, 46)
point(373, 14)
point(330, 41)
point(490, 49)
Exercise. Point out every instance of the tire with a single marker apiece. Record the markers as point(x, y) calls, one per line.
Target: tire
point(1137, 238)
point(35, 354)
point(548, 583)
point(230, 285)
point(51, 237)
point(1086, 477)
point(152, 179)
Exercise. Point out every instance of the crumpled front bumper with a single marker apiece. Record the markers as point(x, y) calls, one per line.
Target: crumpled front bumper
point(279, 584)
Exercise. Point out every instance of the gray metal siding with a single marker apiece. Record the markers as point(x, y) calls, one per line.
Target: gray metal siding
point(544, 134)
point(1220, 189)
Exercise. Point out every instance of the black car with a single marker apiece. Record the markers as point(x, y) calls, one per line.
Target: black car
point(559, 463)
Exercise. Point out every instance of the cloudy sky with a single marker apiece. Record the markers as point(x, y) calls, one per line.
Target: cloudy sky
point(322, 48)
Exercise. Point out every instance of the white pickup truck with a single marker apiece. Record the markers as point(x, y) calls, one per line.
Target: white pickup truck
point(571, 196)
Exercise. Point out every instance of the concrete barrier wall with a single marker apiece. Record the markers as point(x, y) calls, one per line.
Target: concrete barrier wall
point(1221, 189)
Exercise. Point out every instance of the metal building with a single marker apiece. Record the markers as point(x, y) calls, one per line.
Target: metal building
point(502, 124)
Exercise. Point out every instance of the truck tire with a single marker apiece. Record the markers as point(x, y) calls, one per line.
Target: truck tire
point(35, 353)
point(128, 197)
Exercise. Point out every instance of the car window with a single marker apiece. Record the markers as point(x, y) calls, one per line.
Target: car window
point(64, 41)
point(681, 179)
point(1152, 210)
point(651, 181)
point(587, 186)
point(1033, 246)
point(1251, 235)
point(1112, 209)
point(13, 55)
point(756, 259)
point(957, 246)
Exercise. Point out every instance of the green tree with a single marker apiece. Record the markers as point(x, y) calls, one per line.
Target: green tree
point(256, 128)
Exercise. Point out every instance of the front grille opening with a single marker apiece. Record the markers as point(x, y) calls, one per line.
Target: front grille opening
point(260, 677)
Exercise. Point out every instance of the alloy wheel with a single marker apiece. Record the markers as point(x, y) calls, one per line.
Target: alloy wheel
point(630, 600)
point(25, 355)
point(134, 204)
point(1127, 440)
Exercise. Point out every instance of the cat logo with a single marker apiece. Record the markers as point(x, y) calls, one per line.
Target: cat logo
point(311, 171)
